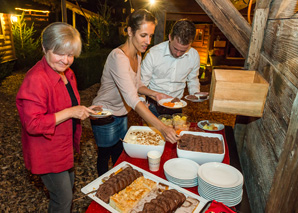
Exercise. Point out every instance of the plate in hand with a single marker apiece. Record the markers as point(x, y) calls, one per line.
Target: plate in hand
point(167, 100)
point(102, 114)
point(189, 98)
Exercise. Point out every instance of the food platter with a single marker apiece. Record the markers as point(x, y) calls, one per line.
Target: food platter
point(166, 100)
point(95, 184)
point(201, 124)
point(102, 114)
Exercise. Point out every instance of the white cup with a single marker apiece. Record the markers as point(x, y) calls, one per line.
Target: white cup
point(154, 160)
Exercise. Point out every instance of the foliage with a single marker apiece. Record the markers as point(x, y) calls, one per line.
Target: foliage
point(89, 66)
point(104, 32)
point(28, 50)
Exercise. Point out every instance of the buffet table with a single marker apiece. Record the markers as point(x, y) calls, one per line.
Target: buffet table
point(169, 153)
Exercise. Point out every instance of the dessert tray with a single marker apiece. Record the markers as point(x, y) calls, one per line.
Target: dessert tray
point(102, 114)
point(162, 101)
point(95, 184)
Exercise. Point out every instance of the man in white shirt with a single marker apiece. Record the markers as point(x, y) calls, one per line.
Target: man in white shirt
point(168, 66)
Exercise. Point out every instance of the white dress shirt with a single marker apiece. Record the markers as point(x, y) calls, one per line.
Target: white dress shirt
point(161, 72)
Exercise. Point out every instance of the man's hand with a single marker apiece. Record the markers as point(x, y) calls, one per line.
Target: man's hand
point(160, 96)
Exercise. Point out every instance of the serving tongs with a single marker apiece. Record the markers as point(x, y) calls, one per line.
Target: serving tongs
point(95, 190)
point(123, 140)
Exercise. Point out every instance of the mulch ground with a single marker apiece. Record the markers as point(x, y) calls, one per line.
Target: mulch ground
point(20, 191)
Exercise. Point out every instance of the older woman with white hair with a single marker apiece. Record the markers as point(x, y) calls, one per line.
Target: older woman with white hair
point(49, 107)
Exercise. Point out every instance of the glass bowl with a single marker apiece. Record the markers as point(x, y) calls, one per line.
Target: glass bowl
point(166, 119)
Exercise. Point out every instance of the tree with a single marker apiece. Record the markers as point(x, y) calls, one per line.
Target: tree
point(28, 50)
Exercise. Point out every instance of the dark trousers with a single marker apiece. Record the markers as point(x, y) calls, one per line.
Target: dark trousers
point(60, 186)
point(104, 154)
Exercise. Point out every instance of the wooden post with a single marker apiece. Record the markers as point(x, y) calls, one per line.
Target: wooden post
point(160, 28)
point(63, 11)
point(73, 19)
point(256, 40)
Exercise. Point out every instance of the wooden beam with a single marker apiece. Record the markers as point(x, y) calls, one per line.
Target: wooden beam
point(195, 17)
point(283, 194)
point(77, 10)
point(283, 9)
point(229, 20)
point(256, 40)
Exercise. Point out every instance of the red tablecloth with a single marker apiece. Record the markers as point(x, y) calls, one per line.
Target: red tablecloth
point(169, 153)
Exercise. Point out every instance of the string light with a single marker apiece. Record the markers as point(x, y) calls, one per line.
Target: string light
point(13, 18)
point(28, 10)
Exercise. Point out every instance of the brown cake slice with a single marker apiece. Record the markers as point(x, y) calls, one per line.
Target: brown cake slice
point(116, 183)
point(203, 97)
point(175, 100)
point(192, 97)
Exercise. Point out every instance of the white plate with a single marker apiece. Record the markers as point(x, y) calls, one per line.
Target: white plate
point(197, 100)
point(220, 175)
point(181, 168)
point(219, 125)
point(184, 104)
point(105, 113)
point(95, 184)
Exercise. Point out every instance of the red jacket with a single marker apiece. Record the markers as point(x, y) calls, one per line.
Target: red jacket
point(47, 148)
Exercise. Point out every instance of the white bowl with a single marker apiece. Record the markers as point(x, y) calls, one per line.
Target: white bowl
point(202, 157)
point(138, 150)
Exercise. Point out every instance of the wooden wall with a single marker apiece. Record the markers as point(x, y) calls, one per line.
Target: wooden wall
point(6, 41)
point(268, 146)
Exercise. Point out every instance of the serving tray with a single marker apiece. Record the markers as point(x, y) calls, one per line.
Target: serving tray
point(95, 184)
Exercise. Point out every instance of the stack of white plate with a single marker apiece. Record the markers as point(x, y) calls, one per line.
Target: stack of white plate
point(220, 182)
point(182, 172)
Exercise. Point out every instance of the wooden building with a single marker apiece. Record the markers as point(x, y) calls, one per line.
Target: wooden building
point(7, 50)
point(34, 13)
point(267, 145)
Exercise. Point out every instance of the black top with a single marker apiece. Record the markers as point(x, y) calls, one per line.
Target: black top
point(74, 102)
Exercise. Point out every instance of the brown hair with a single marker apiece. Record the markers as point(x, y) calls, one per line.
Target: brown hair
point(135, 19)
point(62, 38)
point(184, 31)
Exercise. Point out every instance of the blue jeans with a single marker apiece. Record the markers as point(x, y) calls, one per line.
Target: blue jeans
point(153, 109)
point(60, 187)
point(107, 139)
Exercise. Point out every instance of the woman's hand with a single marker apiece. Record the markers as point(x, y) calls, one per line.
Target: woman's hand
point(78, 112)
point(169, 134)
point(81, 112)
